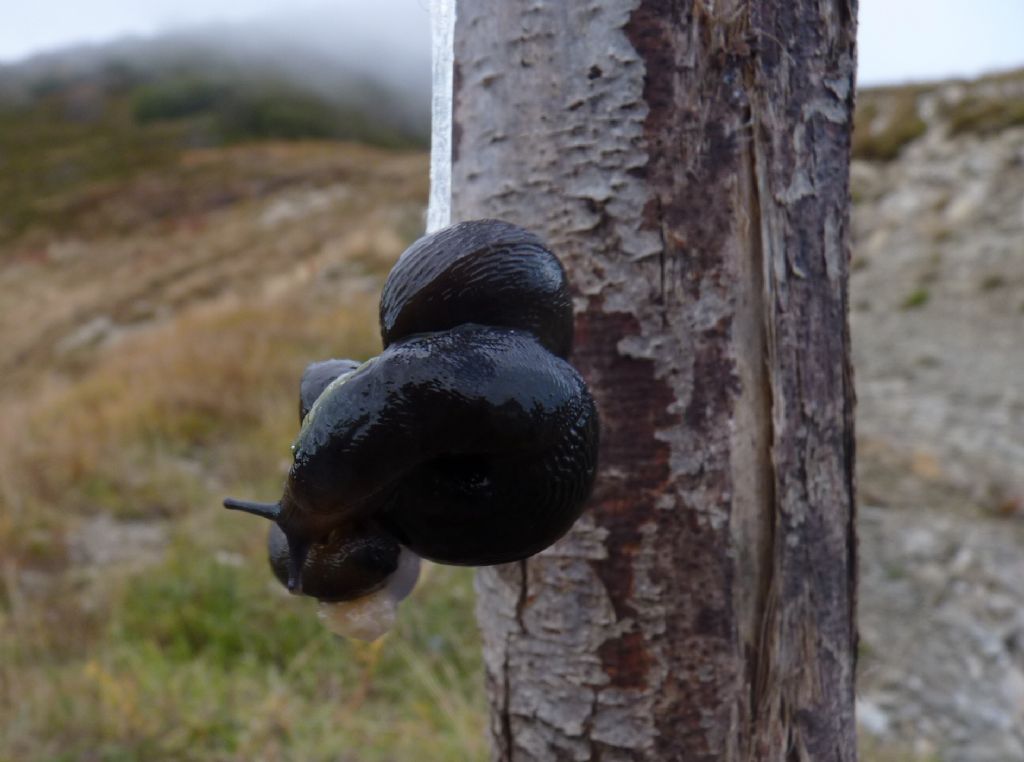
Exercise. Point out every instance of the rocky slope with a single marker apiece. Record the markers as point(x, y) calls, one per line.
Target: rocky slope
point(938, 328)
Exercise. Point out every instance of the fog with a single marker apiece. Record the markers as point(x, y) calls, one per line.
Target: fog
point(899, 40)
point(374, 57)
point(46, 25)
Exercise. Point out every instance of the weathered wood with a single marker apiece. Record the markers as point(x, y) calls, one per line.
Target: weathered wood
point(689, 163)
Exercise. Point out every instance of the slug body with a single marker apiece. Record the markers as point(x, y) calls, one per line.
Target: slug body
point(469, 440)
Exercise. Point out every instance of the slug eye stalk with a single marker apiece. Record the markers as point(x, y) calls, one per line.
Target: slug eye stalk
point(270, 511)
point(297, 550)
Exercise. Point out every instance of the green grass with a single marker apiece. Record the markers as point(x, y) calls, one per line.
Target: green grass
point(916, 299)
point(198, 660)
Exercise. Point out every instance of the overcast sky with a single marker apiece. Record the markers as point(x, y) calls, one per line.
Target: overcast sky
point(900, 40)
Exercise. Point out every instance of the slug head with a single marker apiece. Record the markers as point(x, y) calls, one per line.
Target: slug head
point(352, 563)
point(298, 542)
point(328, 562)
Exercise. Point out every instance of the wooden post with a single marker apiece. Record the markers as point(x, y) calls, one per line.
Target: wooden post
point(688, 160)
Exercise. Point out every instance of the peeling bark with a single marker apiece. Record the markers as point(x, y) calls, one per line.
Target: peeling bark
point(689, 163)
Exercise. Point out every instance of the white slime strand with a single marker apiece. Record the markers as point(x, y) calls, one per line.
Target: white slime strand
point(442, 24)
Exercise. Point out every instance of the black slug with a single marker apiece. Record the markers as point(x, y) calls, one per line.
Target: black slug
point(469, 440)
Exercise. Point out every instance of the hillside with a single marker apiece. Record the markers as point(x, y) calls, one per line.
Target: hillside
point(73, 121)
point(937, 316)
point(163, 283)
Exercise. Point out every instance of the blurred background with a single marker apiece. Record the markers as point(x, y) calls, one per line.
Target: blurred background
point(198, 198)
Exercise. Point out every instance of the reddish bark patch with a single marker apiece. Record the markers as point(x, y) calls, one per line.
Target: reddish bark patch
point(633, 469)
point(626, 660)
point(715, 383)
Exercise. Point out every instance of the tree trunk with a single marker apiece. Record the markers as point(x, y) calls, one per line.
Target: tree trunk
point(688, 161)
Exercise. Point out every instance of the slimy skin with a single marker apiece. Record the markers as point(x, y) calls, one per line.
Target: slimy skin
point(473, 446)
point(469, 440)
point(486, 272)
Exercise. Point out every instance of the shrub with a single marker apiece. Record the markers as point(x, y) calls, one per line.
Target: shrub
point(176, 99)
point(281, 115)
point(885, 124)
point(917, 298)
point(985, 116)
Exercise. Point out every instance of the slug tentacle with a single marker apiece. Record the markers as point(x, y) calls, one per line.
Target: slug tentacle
point(298, 544)
point(270, 511)
point(469, 440)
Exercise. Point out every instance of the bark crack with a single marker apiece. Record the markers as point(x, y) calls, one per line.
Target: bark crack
point(763, 292)
point(507, 738)
point(524, 590)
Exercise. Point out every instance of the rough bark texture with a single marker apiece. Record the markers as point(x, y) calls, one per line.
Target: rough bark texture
point(689, 162)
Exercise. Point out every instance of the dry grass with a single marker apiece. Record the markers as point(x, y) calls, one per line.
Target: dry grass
point(873, 750)
point(165, 411)
point(232, 224)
